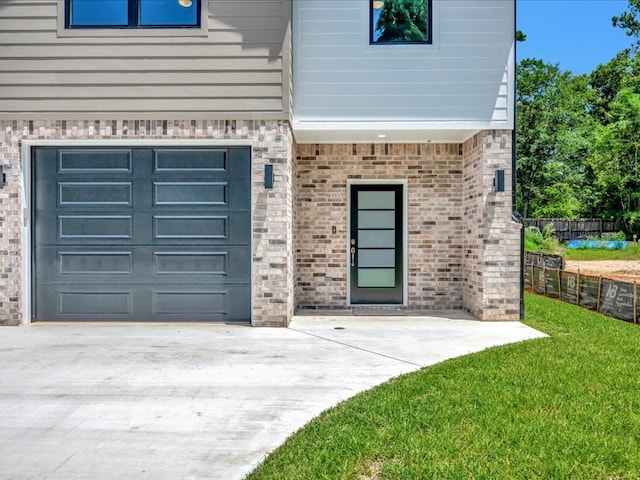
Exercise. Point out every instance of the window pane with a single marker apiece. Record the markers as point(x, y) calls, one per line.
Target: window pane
point(168, 12)
point(376, 277)
point(400, 21)
point(376, 219)
point(377, 258)
point(376, 238)
point(376, 200)
point(87, 13)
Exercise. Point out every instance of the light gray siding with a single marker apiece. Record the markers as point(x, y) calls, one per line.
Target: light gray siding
point(464, 79)
point(236, 66)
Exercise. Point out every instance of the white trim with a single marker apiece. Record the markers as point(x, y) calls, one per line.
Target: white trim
point(27, 213)
point(146, 142)
point(107, 32)
point(405, 239)
point(25, 154)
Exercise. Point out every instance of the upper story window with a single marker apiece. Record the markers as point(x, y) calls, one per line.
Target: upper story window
point(400, 21)
point(132, 13)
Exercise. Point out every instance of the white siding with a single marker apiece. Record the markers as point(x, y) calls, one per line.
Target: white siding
point(463, 80)
point(232, 68)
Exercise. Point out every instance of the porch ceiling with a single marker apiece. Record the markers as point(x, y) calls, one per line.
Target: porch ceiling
point(381, 132)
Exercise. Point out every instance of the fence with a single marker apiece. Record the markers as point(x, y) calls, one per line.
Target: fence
point(614, 298)
point(571, 229)
point(544, 260)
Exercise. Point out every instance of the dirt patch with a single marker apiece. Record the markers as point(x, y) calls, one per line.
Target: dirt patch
point(628, 270)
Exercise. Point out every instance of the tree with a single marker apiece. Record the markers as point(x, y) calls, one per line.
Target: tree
point(616, 160)
point(630, 20)
point(607, 80)
point(552, 138)
point(578, 137)
point(402, 21)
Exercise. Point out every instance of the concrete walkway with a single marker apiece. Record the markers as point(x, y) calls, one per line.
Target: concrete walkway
point(198, 401)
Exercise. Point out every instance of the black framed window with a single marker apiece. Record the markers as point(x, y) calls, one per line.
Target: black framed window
point(400, 22)
point(132, 13)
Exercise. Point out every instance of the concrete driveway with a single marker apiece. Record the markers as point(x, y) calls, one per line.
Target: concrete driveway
point(198, 401)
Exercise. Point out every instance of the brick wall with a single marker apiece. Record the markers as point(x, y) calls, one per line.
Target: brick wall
point(491, 240)
point(273, 299)
point(434, 176)
point(463, 249)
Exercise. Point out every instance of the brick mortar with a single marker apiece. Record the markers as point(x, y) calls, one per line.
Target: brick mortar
point(273, 281)
point(434, 176)
point(492, 239)
point(463, 248)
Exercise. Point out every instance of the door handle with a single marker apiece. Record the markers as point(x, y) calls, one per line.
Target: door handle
point(353, 256)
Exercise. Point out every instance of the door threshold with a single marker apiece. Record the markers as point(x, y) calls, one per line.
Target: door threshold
point(381, 311)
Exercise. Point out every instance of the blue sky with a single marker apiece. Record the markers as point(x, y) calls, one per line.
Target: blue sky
point(576, 34)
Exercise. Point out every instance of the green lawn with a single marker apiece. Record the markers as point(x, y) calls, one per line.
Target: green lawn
point(567, 406)
point(632, 252)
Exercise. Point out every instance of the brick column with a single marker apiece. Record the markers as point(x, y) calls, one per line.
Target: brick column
point(491, 239)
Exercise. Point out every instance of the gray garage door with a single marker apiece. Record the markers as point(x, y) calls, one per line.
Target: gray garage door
point(142, 234)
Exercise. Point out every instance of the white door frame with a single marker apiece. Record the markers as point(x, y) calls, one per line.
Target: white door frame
point(405, 223)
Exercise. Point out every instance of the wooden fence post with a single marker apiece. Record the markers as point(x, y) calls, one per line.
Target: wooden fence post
point(635, 302)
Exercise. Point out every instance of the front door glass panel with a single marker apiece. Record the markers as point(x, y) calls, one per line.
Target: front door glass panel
point(376, 244)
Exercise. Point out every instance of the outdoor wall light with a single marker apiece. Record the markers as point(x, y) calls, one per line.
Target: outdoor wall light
point(498, 181)
point(3, 177)
point(268, 176)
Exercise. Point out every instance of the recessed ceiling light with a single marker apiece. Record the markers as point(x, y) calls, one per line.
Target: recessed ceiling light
point(382, 135)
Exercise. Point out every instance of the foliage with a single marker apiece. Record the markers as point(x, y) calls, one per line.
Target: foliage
point(565, 406)
point(402, 21)
point(629, 21)
point(578, 136)
point(541, 241)
point(616, 160)
point(552, 138)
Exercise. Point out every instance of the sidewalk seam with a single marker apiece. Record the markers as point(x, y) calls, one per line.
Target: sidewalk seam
point(356, 347)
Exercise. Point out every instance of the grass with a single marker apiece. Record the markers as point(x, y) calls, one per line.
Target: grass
point(632, 252)
point(562, 407)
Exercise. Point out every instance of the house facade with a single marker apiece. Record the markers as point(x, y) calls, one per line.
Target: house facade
point(237, 161)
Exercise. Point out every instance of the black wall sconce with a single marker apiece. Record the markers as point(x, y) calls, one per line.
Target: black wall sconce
point(268, 176)
point(3, 177)
point(498, 181)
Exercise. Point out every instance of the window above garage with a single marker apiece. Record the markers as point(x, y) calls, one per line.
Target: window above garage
point(132, 13)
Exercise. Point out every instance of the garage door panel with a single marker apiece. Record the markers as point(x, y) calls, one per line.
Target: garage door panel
point(84, 302)
point(234, 228)
point(95, 161)
point(84, 264)
point(95, 263)
point(218, 266)
point(238, 167)
point(190, 160)
point(103, 264)
point(142, 233)
point(108, 194)
point(190, 193)
point(95, 227)
point(95, 303)
point(174, 302)
point(73, 227)
point(144, 303)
